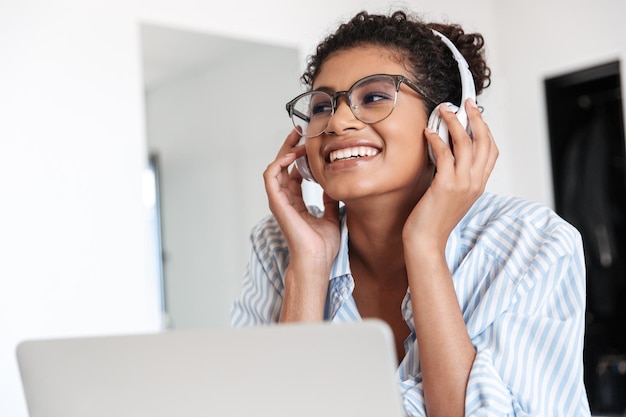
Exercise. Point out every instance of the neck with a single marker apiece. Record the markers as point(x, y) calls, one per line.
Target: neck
point(376, 234)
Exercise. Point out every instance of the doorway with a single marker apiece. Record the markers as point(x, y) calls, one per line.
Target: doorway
point(586, 128)
point(215, 117)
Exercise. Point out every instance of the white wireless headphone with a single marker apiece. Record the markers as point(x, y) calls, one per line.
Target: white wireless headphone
point(468, 90)
point(435, 122)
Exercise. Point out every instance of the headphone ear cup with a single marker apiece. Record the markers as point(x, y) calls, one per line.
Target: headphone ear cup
point(302, 165)
point(436, 123)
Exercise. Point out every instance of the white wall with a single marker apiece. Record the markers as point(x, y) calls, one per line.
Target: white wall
point(72, 141)
point(72, 235)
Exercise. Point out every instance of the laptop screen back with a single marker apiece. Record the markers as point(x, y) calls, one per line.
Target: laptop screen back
point(279, 371)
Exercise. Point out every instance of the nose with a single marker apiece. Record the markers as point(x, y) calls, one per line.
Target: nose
point(342, 118)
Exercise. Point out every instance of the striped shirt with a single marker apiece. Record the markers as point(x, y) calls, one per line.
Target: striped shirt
point(519, 274)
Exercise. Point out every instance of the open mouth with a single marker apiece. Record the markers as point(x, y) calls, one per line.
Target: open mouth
point(352, 153)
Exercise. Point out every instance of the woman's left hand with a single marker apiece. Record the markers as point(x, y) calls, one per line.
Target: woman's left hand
point(461, 178)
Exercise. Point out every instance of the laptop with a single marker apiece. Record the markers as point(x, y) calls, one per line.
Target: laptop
point(304, 370)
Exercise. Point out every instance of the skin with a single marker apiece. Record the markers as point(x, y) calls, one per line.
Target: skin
point(399, 216)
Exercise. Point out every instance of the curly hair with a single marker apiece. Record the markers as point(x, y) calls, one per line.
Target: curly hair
point(414, 45)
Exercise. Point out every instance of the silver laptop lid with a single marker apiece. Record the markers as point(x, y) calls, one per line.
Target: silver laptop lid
point(288, 370)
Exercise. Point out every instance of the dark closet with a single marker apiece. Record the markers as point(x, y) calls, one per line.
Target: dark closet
point(586, 127)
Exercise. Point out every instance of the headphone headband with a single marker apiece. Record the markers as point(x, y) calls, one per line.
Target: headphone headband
point(468, 89)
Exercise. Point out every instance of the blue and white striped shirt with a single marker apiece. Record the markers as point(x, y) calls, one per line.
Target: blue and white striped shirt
point(519, 274)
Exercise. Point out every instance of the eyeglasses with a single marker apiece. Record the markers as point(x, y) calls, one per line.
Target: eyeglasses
point(371, 99)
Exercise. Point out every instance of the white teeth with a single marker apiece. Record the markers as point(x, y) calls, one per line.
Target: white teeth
point(356, 152)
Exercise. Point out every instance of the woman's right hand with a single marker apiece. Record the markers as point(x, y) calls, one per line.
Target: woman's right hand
point(313, 241)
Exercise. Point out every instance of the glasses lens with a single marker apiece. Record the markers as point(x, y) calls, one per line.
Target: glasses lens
point(371, 100)
point(374, 98)
point(311, 113)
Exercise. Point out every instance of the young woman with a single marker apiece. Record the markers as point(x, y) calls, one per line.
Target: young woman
point(485, 295)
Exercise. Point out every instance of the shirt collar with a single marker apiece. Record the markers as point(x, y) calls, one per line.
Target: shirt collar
point(341, 265)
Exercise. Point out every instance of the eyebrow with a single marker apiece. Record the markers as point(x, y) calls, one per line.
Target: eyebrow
point(324, 89)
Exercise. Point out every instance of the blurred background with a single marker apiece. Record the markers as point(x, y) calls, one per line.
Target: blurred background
point(133, 137)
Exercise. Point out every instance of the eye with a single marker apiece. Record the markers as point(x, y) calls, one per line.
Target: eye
point(374, 92)
point(321, 104)
point(374, 97)
point(321, 108)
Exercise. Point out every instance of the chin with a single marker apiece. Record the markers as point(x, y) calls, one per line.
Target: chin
point(347, 191)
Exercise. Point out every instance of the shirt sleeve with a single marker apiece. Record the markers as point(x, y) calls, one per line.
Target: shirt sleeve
point(260, 301)
point(529, 360)
point(525, 317)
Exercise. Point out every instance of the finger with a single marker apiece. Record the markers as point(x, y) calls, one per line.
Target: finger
point(440, 149)
point(291, 144)
point(461, 141)
point(276, 175)
point(295, 194)
point(282, 162)
point(485, 150)
point(483, 141)
point(295, 182)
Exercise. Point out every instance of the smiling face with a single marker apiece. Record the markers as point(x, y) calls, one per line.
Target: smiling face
point(352, 159)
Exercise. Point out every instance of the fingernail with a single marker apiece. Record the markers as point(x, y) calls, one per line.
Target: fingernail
point(472, 103)
point(429, 130)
